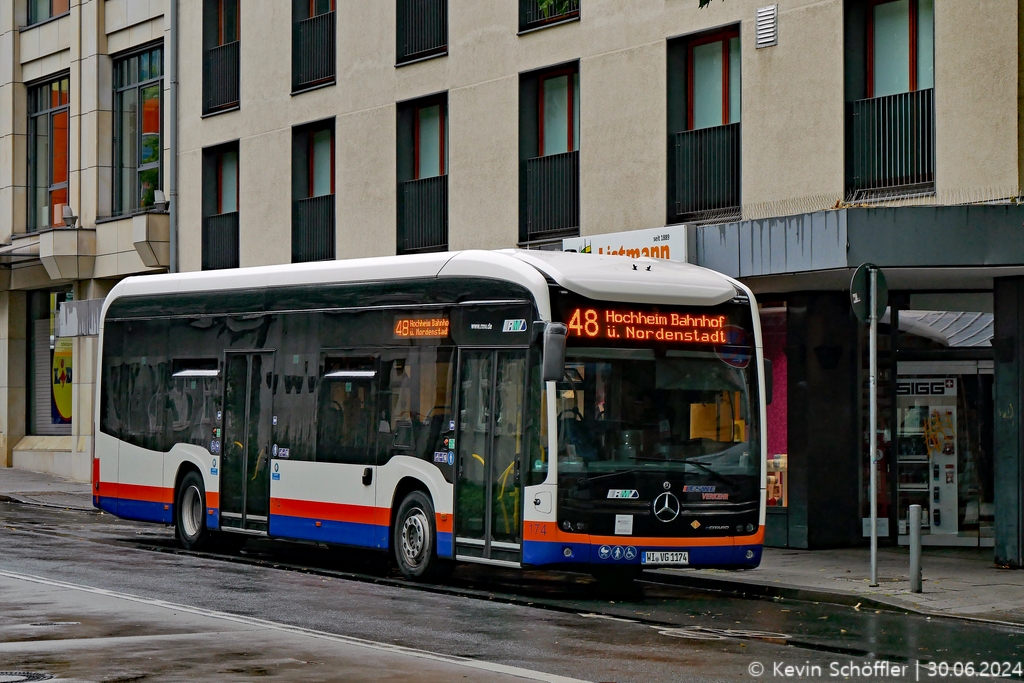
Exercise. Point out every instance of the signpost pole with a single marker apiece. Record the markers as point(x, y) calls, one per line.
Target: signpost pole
point(873, 420)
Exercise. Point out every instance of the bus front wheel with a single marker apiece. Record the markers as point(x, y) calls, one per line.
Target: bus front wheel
point(190, 512)
point(415, 537)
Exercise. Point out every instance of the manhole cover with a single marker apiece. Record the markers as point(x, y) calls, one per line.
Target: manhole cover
point(22, 677)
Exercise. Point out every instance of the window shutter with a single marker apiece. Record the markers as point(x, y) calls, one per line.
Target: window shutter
point(767, 26)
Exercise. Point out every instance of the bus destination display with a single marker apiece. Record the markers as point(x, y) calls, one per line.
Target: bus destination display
point(646, 326)
point(421, 327)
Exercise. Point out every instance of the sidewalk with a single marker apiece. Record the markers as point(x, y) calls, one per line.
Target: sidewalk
point(957, 581)
point(34, 488)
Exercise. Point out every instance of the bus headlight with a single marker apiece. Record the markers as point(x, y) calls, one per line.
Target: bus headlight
point(750, 554)
point(750, 528)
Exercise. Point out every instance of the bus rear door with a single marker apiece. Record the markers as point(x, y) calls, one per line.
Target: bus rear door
point(245, 455)
point(492, 403)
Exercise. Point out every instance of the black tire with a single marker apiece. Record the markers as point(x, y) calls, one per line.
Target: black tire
point(415, 538)
point(190, 512)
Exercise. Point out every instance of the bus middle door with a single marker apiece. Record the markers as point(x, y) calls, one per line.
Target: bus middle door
point(490, 440)
point(245, 450)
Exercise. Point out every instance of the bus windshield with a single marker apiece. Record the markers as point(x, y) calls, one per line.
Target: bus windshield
point(682, 411)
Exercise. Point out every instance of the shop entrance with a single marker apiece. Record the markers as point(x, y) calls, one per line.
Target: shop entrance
point(944, 450)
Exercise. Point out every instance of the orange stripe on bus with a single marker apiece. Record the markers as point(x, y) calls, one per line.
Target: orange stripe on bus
point(337, 512)
point(549, 531)
point(212, 499)
point(149, 494)
point(443, 522)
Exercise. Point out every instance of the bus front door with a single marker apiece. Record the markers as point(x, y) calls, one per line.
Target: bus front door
point(245, 449)
point(490, 440)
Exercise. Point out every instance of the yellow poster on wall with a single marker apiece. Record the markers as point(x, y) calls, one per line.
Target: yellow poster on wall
point(62, 353)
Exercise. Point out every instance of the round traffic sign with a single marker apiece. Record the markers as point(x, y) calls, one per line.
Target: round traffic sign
point(860, 292)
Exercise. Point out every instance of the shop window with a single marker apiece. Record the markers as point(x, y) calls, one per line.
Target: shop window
point(773, 332)
point(944, 416)
point(346, 428)
point(41, 10)
point(50, 370)
point(138, 106)
point(901, 39)
point(48, 153)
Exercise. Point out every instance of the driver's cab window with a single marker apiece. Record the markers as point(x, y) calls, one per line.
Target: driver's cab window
point(346, 429)
point(627, 407)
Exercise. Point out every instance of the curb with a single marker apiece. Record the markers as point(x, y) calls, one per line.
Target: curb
point(762, 591)
point(14, 498)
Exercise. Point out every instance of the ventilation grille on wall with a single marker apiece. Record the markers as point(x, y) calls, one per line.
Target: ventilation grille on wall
point(767, 26)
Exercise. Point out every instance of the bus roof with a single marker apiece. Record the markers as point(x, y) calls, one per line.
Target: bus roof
point(611, 278)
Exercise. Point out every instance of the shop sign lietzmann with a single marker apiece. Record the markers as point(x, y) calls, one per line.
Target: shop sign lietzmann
point(665, 243)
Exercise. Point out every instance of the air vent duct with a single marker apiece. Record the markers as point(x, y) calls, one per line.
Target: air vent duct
point(767, 26)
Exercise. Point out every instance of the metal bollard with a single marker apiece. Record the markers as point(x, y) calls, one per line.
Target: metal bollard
point(915, 548)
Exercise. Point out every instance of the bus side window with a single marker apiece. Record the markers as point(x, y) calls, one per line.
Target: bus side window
point(346, 428)
point(416, 403)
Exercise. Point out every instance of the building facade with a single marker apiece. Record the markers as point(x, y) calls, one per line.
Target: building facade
point(83, 155)
point(799, 139)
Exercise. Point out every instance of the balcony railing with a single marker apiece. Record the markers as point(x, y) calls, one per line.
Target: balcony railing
point(708, 173)
point(220, 77)
point(423, 215)
point(313, 51)
point(537, 13)
point(422, 29)
point(892, 145)
point(552, 196)
point(313, 229)
point(220, 241)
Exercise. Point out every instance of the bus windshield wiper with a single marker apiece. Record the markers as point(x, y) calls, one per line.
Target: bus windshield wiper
point(586, 479)
point(713, 473)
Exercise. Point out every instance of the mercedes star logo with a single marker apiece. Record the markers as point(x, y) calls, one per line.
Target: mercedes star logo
point(666, 507)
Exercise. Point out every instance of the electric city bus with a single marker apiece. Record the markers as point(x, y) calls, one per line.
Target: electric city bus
point(512, 408)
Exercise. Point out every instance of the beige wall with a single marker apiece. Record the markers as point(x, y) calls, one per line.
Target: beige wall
point(793, 114)
point(977, 134)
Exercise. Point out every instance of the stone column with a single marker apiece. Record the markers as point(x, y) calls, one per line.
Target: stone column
point(1008, 437)
point(13, 373)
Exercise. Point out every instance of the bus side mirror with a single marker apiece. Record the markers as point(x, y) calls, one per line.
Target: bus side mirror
point(769, 381)
point(554, 352)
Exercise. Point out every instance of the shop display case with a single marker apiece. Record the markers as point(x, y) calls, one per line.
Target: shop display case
point(777, 494)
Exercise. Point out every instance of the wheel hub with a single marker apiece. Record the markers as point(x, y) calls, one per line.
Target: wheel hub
point(414, 537)
point(191, 512)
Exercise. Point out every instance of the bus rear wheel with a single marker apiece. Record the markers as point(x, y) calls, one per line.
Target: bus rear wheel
point(415, 538)
point(190, 512)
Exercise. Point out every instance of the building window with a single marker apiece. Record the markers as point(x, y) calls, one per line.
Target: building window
point(901, 36)
point(50, 373)
point(313, 192)
point(422, 175)
point(549, 142)
point(220, 207)
point(48, 153)
point(704, 105)
point(138, 119)
point(422, 29)
point(313, 43)
point(221, 43)
point(41, 10)
point(535, 14)
point(890, 96)
point(559, 116)
point(714, 81)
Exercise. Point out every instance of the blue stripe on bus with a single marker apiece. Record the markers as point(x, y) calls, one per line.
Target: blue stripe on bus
point(142, 510)
point(212, 518)
point(106, 504)
point(344, 533)
point(444, 544)
point(539, 553)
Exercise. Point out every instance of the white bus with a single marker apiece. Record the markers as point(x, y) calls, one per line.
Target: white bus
point(513, 408)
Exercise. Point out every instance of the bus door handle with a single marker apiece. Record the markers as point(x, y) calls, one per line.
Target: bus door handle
point(367, 476)
point(516, 475)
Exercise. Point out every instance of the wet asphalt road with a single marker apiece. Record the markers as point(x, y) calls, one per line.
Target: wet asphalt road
point(558, 623)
